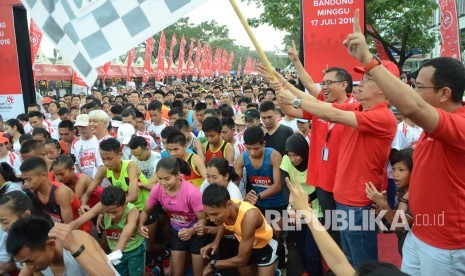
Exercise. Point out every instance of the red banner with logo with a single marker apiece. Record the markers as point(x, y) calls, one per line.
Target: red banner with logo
point(198, 54)
point(148, 54)
point(11, 98)
point(131, 56)
point(450, 46)
point(174, 41)
point(203, 66)
point(161, 57)
point(35, 37)
point(379, 47)
point(182, 50)
point(326, 25)
point(189, 57)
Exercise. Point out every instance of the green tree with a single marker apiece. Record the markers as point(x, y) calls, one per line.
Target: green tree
point(400, 25)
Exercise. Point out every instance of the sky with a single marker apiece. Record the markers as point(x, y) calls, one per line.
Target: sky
point(222, 11)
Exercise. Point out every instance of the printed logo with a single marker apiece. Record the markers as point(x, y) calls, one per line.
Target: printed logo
point(447, 19)
point(10, 100)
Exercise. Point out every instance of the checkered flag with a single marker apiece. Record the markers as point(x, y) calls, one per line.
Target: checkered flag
point(89, 33)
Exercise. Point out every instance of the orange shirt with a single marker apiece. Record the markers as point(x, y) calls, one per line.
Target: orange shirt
point(164, 112)
point(263, 234)
point(437, 183)
point(364, 153)
point(323, 173)
point(65, 149)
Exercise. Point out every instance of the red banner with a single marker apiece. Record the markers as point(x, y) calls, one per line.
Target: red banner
point(326, 25)
point(198, 54)
point(248, 66)
point(210, 62)
point(174, 41)
point(224, 60)
point(230, 62)
point(79, 85)
point(203, 66)
point(189, 57)
point(148, 54)
point(450, 46)
point(379, 47)
point(182, 50)
point(216, 60)
point(161, 57)
point(11, 98)
point(131, 56)
point(35, 37)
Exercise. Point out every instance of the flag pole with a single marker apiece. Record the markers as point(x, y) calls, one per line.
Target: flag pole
point(257, 46)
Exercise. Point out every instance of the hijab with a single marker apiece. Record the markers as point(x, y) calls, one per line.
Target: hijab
point(297, 144)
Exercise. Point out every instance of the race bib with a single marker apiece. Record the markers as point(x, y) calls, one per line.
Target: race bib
point(261, 181)
point(56, 218)
point(181, 218)
point(87, 160)
point(115, 234)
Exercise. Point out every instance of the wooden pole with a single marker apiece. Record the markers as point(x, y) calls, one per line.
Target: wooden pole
point(257, 46)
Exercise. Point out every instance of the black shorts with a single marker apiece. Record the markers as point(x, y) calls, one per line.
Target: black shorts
point(193, 245)
point(265, 256)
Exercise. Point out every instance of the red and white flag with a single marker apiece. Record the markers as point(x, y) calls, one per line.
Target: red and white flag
point(203, 66)
point(174, 41)
point(106, 68)
point(189, 57)
point(148, 54)
point(79, 85)
point(239, 67)
point(230, 62)
point(131, 56)
point(161, 57)
point(198, 54)
point(182, 50)
point(216, 60)
point(224, 61)
point(35, 37)
point(248, 66)
point(450, 46)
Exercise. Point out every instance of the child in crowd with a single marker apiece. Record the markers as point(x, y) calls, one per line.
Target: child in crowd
point(216, 146)
point(194, 143)
point(52, 149)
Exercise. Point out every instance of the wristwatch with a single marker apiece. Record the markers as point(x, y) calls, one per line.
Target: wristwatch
point(258, 197)
point(296, 103)
point(212, 264)
point(374, 62)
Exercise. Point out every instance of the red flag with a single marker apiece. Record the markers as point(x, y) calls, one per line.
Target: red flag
point(230, 62)
point(210, 61)
point(174, 41)
point(248, 66)
point(189, 57)
point(381, 52)
point(198, 53)
point(203, 67)
point(450, 46)
point(35, 37)
point(106, 67)
point(224, 60)
point(239, 67)
point(216, 60)
point(77, 80)
point(181, 56)
point(148, 54)
point(131, 56)
point(161, 57)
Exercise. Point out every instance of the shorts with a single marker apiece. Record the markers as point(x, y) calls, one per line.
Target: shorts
point(265, 256)
point(193, 245)
point(133, 262)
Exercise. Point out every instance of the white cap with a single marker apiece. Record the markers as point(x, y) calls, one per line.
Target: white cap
point(125, 133)
point(82, 120)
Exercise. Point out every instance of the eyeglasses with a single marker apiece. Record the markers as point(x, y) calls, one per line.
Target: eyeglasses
point(366, 79)
point(419, 87)
point(328, 82)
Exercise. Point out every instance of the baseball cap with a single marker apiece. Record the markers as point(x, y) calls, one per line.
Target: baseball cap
point(240, 120)
point(301, 120)
point(3, 139)
point(391, 66)
point(47, 100)
point(125, 133)
point(252, 114)
point(82, 120)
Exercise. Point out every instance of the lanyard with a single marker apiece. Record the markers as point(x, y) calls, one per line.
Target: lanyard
point(330, 128)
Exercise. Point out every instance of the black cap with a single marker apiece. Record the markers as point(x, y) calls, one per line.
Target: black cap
point(252, 114)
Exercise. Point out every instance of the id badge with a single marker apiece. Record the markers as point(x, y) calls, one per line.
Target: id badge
point(325, 154)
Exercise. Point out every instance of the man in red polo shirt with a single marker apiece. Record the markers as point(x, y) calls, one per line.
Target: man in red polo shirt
point(436, 244)
point(335, 88)
point(369, 128)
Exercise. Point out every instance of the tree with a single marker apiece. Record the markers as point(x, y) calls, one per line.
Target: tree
point(402, 26)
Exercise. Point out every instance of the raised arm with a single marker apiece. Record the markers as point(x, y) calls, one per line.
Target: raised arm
point(304, 77)
point(98, 178)
point(399, 94)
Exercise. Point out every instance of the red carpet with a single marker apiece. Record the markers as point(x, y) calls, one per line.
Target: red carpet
point(387, 249)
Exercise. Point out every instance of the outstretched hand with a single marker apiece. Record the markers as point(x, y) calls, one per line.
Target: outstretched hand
point(356, 43)
point(292, 52)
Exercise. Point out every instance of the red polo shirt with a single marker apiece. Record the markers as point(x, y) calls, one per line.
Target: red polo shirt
point(364, 153)
point(323, 173)
point(437, 183)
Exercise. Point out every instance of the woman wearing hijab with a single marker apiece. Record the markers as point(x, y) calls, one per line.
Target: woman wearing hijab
point(294, 166)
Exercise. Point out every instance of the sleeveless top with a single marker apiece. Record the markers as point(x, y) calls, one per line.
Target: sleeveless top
point(219, 153)
point(262, 235)
point(55, 210)
point(192, 145)
point(113, 231)
point(72, 267)
point(261, 179)
point(123, 183)
point(195, 177)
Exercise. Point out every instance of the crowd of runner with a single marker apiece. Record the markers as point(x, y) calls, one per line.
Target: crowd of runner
point(223, 175)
